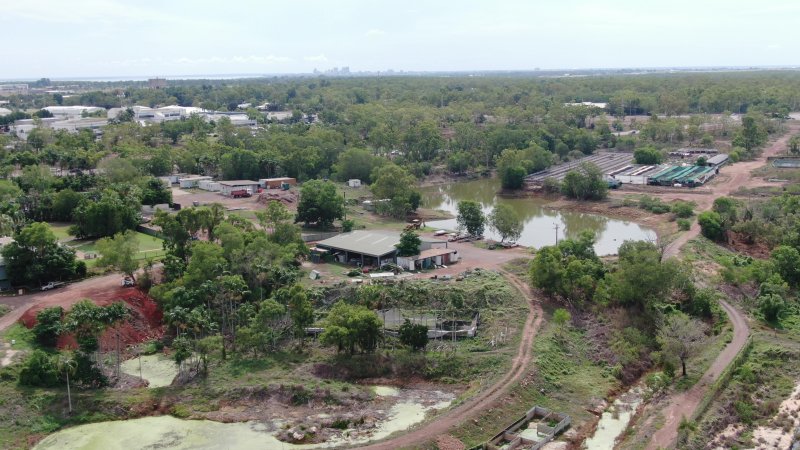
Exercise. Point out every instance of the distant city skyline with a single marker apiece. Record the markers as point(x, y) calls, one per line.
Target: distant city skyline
point(107, 39)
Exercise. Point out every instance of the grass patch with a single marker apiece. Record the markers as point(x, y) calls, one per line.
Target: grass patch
point(561, 377)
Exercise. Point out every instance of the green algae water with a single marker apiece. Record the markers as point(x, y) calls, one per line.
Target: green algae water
point(170, 433)
point(157, 369)
point(539, 222)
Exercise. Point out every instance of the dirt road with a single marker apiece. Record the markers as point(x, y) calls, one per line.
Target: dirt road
point(93, 287)
point(684, 404)
point(485, 399)
point(733, 177)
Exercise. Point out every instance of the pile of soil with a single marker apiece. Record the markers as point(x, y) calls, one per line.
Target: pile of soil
point(143, 324)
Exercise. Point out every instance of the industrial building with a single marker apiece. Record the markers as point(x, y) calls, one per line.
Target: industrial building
point(635, 173)
point(606, 161)
point(228, 187)
point(375, 248)
point(192, 181)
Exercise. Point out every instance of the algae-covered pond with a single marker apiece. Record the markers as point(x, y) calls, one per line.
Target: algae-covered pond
point(158, 370)
point(539, 221)
point(170, 433)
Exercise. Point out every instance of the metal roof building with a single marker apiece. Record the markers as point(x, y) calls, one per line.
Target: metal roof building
point(374, 247)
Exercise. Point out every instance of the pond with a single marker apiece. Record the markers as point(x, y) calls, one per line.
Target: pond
point(170, 433)
point(157, 369)
point(539, 222)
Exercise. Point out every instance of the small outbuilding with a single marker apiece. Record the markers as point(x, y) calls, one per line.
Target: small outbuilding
point(354, 183)
point(276, 183)
point(717, 161)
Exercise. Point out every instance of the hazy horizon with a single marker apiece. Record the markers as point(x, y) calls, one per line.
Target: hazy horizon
point(108, 39)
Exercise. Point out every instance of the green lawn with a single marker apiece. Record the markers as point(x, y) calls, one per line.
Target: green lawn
point(149, 247)
point(60, 229)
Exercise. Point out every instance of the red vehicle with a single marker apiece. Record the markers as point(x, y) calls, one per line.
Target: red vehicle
point(241, 193)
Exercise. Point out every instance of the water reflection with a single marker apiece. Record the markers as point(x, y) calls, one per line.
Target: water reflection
point(540, 222)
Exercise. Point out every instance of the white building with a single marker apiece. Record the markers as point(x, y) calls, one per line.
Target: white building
point(72, 112)
point(228, 187)
point(354, 183)
point(192, 182)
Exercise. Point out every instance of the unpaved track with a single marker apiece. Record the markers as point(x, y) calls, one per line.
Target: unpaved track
point(685, 403)
point(64, 296)
point(486, 399)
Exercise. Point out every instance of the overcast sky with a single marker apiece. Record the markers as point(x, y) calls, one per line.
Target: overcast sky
point(114, 38)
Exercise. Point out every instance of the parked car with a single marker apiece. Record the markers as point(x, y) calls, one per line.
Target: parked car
point(52, 285)
point(128, 282)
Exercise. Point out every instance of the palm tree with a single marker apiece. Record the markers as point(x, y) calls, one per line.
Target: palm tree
point(68, 365)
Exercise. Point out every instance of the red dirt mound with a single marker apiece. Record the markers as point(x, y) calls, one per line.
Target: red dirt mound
point(144, 322)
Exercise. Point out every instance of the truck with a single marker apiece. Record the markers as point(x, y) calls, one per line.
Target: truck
point(52, 285)
point(240, 193)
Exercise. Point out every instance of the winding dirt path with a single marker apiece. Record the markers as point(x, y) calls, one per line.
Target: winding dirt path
point(488, 397)
point(685, 403)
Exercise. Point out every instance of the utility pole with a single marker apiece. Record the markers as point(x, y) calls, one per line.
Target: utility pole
point(556, 227)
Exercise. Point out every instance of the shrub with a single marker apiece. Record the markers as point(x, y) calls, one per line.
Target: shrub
point(48, 326)
point(682, 209)
point(684, 224)
point(711, 225)
point(39, 370)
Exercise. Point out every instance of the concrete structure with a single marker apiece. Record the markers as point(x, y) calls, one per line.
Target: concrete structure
point(227, 187)
point(354, 183)
point(590, 104)
point(531, 432)
point(276, 183)
point(192, 181)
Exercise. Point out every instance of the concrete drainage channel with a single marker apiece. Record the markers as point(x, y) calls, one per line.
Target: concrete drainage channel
point(531, 432)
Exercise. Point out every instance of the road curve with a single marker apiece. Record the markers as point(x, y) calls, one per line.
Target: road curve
point(473, 406)
point(685, 403)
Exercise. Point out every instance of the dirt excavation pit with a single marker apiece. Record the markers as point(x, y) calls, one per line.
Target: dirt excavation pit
point(157, 370)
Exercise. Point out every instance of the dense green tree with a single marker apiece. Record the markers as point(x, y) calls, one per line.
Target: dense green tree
point(772, 307)
point(110, 214)
point(648, 155)
point(357, 163)
point(409, 243)
point(350, 327)
point(120, 252)
point(35, 257)
point(48, 326)
point(787, 263)
point(506, 222)
point(471, 218)
point(413, 335)
point(39, 370)
point(711, 225)
point(319, 204)
point(300, 310)
point(585, 183)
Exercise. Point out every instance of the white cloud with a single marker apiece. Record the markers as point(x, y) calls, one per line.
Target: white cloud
point(316, 58)
point(374, 33)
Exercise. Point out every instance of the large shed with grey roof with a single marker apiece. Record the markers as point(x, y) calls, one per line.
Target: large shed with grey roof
point(370, 248)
